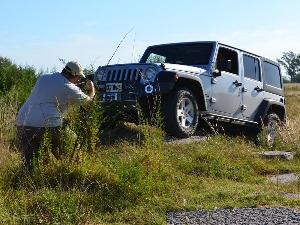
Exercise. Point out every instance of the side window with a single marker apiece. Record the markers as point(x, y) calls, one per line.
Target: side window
point(227, 60)
point(251, 67)
point(271, 74)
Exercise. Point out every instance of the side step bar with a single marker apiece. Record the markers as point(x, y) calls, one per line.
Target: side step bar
point(227, 119)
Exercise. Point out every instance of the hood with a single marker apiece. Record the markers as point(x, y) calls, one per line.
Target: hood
point(183, 68)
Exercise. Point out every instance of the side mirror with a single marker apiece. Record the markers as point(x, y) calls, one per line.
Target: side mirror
point(217, 73)
point(225, 65)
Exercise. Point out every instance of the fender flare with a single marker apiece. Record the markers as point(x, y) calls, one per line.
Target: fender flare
point(265, 107)
point(166, 81)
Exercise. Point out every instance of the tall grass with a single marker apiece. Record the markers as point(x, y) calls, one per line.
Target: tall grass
point(8, 111)
point(289, 134)
point(16, 83)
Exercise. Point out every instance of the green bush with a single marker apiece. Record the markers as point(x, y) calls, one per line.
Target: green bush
point(16, 79)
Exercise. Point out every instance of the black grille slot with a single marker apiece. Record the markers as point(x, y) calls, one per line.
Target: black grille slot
point(113, 75)
point(128, 75)
point(134, 75)
point(123, 75)
point(119, 75)
point(108, 76)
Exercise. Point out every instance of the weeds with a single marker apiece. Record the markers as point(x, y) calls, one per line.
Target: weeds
point(8, 112)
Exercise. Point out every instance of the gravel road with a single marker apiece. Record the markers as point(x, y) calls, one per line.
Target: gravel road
point(247, 216)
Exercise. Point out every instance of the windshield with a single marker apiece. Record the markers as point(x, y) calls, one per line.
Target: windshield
point(185, 54)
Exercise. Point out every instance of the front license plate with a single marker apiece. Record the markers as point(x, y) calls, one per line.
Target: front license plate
point(110, 97)
point(113, 87)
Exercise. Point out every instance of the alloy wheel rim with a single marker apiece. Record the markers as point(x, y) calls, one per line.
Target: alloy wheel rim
point(185, 112)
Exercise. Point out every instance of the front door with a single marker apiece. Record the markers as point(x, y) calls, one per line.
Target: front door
point(226, 89)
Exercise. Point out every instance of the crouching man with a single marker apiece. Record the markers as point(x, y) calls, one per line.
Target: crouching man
point(50, 98)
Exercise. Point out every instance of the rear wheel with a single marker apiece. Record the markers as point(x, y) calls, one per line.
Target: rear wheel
point(269, 132)
point(181, 113)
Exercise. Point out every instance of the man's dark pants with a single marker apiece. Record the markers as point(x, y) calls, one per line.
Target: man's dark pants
point(29, 141)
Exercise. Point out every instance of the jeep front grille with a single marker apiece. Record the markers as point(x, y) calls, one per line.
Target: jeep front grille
point(127, 74)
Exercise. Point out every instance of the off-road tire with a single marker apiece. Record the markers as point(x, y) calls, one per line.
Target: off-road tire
point(181, 113)
point(270, 129)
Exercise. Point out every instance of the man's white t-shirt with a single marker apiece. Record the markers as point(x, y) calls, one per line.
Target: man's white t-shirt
point(50, 98)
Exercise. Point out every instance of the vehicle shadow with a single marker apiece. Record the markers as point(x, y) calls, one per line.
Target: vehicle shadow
point(128, 132)
point(132, 134)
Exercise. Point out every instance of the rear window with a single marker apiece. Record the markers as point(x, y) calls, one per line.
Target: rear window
point(272, 75)
point(251, 67)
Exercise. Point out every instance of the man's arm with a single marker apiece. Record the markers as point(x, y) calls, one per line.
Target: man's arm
point(75, 95)
point(91, 89)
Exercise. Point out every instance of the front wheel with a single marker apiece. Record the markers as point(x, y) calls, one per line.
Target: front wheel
point(181, 113)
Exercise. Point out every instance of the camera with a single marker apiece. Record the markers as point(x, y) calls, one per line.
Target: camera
point(82, 82)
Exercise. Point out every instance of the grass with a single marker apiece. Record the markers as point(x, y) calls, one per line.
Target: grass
point(133, 177)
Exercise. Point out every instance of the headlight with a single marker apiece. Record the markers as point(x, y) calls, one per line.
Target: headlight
point(100, 75)
point(149, 73)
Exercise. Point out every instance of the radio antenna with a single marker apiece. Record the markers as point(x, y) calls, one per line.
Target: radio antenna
point(119, 45)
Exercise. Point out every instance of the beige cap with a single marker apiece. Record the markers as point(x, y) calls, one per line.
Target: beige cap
point(74, 68)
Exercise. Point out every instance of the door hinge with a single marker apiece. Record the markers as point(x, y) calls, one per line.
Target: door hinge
point(243, 107)
point(213, 100)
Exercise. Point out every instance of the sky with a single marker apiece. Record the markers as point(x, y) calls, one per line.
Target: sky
point(39, 32)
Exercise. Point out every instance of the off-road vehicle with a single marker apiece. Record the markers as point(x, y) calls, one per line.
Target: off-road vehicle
point(198, 81)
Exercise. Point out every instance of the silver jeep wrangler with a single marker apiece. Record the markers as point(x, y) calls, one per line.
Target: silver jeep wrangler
point(198, 81)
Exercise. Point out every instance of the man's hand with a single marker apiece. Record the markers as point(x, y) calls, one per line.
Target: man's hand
point(91, 89)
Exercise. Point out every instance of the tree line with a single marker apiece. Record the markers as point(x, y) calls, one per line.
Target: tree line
point(291, 62)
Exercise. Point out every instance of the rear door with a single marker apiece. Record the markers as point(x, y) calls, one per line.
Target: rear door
point(252, 91)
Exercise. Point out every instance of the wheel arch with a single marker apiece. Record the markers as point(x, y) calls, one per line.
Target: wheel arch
point(196, 87)
point(278, 109)
point(270, 106)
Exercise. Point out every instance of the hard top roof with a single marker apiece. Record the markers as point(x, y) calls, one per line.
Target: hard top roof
point(216, 43)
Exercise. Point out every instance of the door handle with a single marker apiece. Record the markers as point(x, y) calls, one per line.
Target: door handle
point(236, 83)
point(258, 89)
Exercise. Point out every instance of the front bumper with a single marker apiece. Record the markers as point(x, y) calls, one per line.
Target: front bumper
point(130, 92)
point(135, 90)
